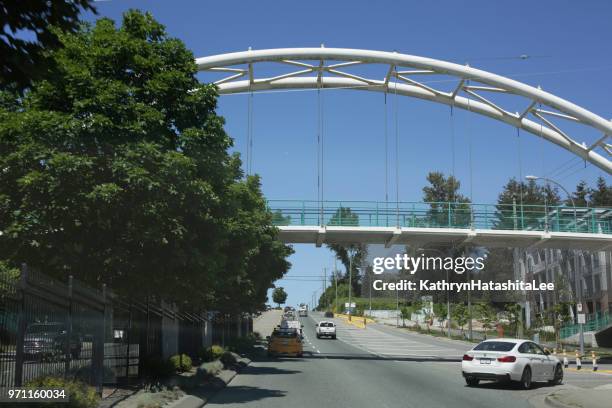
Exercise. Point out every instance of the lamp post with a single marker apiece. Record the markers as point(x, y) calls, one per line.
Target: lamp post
point(579, 276)
point(351, 254)
point(448, 311)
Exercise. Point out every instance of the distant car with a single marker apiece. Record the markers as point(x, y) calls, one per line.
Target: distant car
point(303, 311)
point(329, 314)
point(42, 340)
point(285, 341)
point(326, 329)
point(517, 360)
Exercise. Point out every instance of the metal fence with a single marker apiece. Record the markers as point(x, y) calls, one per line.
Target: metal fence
point(67, 329)
point(442, 215)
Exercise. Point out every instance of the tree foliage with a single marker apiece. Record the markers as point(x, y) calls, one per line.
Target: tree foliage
point(446, 204)
point(115, 169)
point(350, 255)
point(279, 296)
point(21, 58)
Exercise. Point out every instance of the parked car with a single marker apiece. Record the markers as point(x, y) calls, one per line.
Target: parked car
point(44, 340)
point(285, 341)
point(510, 360)
point(326, 329)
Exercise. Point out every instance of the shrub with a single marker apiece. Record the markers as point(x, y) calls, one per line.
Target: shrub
point(209, 369)
point(156, 368)
point(210, 353)
point(181, 362)
point(229, 359)
point(242, 344)
point(81, 395)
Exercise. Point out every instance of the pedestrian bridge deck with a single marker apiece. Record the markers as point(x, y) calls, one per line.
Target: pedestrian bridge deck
point(489, 225)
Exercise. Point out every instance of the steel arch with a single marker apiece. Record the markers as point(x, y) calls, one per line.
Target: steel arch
point(328, 73)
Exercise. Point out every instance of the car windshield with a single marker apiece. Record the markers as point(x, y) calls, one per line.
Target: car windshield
point(44, 328)
point(495, 346)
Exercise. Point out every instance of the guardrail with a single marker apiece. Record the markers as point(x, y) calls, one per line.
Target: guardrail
point(598, 321)
point(442, 215)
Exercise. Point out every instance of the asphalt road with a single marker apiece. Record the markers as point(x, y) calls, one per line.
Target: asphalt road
point(375, 367)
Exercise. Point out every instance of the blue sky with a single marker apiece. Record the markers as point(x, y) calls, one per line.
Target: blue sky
point(568, 42)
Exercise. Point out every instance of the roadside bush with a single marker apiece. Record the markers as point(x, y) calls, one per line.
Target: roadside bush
point(242, 344)
point(156, 368)
point(181, 362)
point(210, 353)
point(209, 369)
point(81, 395)
point(229, 359)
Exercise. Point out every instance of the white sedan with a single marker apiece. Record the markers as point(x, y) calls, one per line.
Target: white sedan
point(511, 360)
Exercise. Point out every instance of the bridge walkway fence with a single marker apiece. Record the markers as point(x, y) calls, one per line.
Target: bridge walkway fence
point(442, 215)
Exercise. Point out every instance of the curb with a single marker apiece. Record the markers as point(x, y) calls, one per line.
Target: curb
point(224, 378)
point(552, 402)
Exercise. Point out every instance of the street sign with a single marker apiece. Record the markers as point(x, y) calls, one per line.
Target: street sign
point(351, 305)
point(579, 307)
point(581, 318)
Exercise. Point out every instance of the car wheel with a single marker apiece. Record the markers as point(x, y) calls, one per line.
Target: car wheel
point(318, 337)
point(334, 337)
point(471, 382)
point(526, 378)
point(558, 377)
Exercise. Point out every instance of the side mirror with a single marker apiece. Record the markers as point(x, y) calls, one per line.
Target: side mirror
point(302, 325)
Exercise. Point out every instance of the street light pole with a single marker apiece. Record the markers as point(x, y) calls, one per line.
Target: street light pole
point(350, 283)
point(578, 275)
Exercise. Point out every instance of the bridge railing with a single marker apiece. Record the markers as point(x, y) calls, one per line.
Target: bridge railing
point(442, 215)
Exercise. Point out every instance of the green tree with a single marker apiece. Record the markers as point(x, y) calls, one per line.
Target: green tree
point(279, 219)
point(581, 195)
point(350, 255)
point(440, 310)
point(446, 204)
point(23, 57)
point(522, 205)
point(513, 312)
point(405, 313)
point(601, 195)
point(460, 315)
point(116, 170)
point(279, 296)
point(487, 316)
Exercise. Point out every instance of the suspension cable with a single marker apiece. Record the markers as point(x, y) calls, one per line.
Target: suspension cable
point(396, 156)
point(452, 125)
point(247, 163)
point(319, 151)
point(251, 137)
point(469, 130)
point(386, 154)
point(322, 132)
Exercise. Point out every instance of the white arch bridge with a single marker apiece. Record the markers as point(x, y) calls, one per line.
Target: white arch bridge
point(542, 114)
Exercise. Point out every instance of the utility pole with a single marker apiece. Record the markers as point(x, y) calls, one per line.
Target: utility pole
point(325, 285)
point(350, 282)
point(336, 282)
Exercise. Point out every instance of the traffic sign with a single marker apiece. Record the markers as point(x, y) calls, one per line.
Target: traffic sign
point(351, 305)
point(579, 307)
point(581, 318)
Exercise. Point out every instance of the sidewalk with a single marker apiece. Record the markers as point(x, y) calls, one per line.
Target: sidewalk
point(579, 399)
